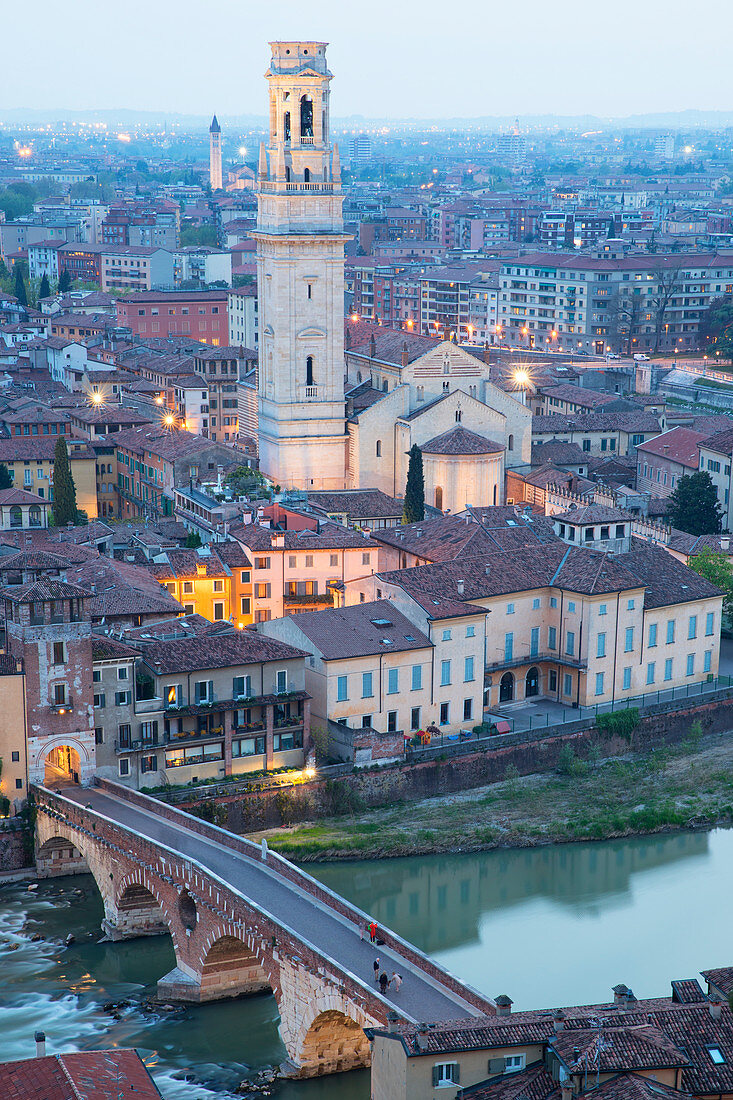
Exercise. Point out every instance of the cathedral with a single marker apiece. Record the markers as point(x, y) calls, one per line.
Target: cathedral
point(331, 417)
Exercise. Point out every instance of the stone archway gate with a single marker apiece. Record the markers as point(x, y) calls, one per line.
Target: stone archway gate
point(242, 919)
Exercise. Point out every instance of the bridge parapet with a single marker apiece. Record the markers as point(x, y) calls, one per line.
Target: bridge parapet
point(224, 944)
point(304, 881)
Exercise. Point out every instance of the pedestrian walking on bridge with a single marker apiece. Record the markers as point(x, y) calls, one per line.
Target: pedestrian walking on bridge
point(383, 983)
point(376, 970)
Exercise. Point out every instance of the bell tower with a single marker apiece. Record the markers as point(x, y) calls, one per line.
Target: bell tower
point(215, 178)
point(300, 277)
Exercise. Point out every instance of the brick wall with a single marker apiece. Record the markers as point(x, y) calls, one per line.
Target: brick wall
point(529, 752)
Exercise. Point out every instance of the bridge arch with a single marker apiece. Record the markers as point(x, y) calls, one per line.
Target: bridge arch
point(59, 856)
point(232, 966)
point(140, 910)
point(333, 1043)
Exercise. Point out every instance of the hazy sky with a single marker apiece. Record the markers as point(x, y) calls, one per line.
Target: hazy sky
point(400, 58)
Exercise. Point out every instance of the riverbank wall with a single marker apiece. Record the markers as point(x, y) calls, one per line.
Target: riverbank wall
point(16, 846)
point(451, 770)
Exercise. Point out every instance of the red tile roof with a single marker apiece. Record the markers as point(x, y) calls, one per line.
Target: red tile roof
point(84, 1075)
point(678, 445)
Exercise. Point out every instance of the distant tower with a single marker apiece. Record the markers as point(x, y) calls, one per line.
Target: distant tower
point(300, 276)
point(215, 155)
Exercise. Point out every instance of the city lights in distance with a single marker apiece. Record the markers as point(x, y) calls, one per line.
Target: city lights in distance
point(124, 137)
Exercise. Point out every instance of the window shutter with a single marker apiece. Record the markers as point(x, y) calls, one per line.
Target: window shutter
point(456, 1073)
point(210, 695)
point(268, 590)
point(155, 728)
point(496, 1065)
point(436, 1076)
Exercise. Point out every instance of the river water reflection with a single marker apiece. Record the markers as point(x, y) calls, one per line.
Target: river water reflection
point(549, 926)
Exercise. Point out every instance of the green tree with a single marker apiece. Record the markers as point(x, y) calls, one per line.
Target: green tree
point(199, 234)
point(716, 568)
point(6, 481)
point(64, 282)
point(693, 505)
point(64, 490)
point(414, 508)
point(44, 291)
point(193, 541)
point(715, 320)
point(19, 287)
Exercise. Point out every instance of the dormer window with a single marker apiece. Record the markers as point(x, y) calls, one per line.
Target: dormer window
point(716, 1056)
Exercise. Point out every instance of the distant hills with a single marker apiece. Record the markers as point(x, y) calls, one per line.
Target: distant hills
point(123, 117)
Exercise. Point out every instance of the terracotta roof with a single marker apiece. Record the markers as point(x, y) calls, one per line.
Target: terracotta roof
point(332, 536)
point(598, 421)
point(525, 568)
point(45, 588)
point(389, 345)
point(361, 630)
point(678, 445)
point(593, 513)
point(105, 648)
point(84, 1075)
point(577, 395)
point(20, 496)
point(459, 441)
point(358, 503)
point(720, 441)
point(621, 1048)
point(41, 447)
point(667, 580)
point(558, 452)
point(27, 560)
point(721, 978)
point(687, 991)
point(533, 1083)
point(208, 651)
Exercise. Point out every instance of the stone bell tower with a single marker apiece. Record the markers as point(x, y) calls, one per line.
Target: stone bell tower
point(215, 178)
point(300, 277)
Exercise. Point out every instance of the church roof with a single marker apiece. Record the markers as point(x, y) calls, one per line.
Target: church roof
point(459, 441)
point(391, 343)
point(215, 128)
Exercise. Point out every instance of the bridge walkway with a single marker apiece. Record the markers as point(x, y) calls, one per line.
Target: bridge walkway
point(421, 996)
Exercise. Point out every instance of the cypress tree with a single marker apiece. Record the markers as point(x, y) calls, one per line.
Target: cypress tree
point(414, 508)
point(44, 290)
point(64, 490)
point(19, 289)
point(6, 482)
point(64, 282)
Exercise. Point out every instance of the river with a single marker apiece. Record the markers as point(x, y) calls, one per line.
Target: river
point(549, 926)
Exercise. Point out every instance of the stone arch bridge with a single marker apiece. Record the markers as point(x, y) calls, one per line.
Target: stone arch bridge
point(242, 920)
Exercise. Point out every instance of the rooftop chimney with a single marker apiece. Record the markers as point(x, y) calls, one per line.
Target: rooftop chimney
point(619, 993)
point(503, 1005)
point(558, 1021)
point(40, 1038)
point(716, 1006)
point(460, 586)
point(404, 354)
point(392, 1019)
point(725, 543)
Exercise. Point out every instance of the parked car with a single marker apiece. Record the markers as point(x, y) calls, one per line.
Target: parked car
point(641, 358)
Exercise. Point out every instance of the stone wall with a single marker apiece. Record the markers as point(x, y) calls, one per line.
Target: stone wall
point(15, 849)
point(530, 752)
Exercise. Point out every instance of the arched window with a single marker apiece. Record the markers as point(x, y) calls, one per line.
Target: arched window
point(16, 516)
point(446, 385)
point(439, 498)
point(287, 125)
point(306, 116)
point(379, 448)
point(358, 376)
point(385, 385)
point(421, 393)
point(306, 174)
point(287, 173)
point(309, 371)
point(34, 516)
point(510, 443)
point(458, 416)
